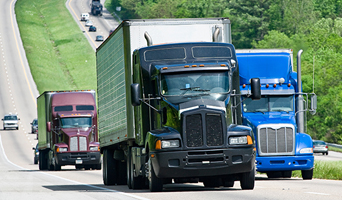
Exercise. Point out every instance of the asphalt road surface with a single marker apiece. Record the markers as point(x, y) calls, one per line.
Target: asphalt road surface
point(21, 179)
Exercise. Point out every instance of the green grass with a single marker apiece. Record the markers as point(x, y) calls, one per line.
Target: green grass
point(325, 170)
point(59, 55)
point(334, 149)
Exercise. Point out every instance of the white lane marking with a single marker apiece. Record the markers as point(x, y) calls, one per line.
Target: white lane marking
point(325, 194)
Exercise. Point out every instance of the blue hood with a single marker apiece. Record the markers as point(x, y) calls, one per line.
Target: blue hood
point(258, 118)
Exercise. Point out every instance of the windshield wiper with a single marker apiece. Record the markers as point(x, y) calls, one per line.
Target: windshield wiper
point(259, 111)
point(193, 89)
point(279, 110)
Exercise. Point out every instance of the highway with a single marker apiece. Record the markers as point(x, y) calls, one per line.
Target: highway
point(21, 179)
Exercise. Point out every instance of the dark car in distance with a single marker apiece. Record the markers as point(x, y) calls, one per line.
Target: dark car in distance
point(36, 154)
point(34, 126)
point(92, 29)
point(320, 146)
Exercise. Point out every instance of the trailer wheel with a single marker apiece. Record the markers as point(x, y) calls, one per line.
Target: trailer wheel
point(155, 184)
point(109, 168)
point(136, 182)
point(247, 180)
point(307, 174)
point(121, 172)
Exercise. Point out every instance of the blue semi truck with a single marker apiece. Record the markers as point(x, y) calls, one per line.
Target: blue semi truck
point(278, 119)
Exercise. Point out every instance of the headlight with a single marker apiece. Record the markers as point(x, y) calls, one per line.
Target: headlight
point(169, 143)
point(94, 148)
point(241, 140)
point(306, 150)
point(62, 149)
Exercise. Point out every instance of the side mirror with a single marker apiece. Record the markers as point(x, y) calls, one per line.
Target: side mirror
point(48, 126)
point(135, 94)
point(255, 89)
point(313, 104)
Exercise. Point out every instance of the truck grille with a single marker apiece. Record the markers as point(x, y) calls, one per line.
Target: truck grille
point(213, 130)
point(276, 140)
point(194, 132)
point(78, 144)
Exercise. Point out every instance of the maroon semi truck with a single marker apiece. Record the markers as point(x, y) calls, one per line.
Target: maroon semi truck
point(67, 125)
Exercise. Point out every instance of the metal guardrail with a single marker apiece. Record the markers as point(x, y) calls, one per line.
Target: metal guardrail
point(334, 145)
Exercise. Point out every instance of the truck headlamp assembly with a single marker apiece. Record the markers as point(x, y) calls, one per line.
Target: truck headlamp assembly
point(94, 148)
point(241, 140)
point(306, 150)
point(62, 149)
point(163, 144)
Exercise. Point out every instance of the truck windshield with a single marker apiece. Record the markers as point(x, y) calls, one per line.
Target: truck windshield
point(269, 103)
point(178, 88)
point(72, 122)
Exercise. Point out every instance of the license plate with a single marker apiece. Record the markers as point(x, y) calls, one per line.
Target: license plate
point(78, 162)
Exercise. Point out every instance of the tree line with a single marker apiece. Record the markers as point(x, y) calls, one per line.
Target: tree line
point(312, 25)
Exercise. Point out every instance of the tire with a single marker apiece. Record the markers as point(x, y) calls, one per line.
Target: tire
point(35, 161)
point(212, 182)
point(155, 184)
point(228, 183)
point(247, 180)
point(109, 168)
point(4, 128)
point(326, 153)
point(307, 174)
point(42, 161)
point(136, 182)
point(287, 174)
point(128, 168)
point(274, 174)
point(18, 128)
point(121, 172)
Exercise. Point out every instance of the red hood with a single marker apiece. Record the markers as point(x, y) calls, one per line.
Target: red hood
point(77, 131)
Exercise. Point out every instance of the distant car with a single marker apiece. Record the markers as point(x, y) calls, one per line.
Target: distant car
point(36, 154)
point(320, 146)
point(10, 121)
point(99, 38)
point(34, 126)
point(92, 28)
point(88, 23)
point(84, 16)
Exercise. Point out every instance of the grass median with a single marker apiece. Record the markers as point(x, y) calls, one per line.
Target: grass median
point(58, 53)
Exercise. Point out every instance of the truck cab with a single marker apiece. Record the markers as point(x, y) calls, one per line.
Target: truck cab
point(68, 130)
point(275, 118)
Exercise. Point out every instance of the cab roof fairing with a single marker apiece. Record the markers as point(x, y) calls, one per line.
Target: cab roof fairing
point(266, 66)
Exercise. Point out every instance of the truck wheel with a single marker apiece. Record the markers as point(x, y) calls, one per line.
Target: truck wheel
point(4, 128)
point(128, 168)
point(287, 174)
point(42, 161)
point(155, 184)
point(247, 180)
point(274, 174)
point(121, 172)
point(307, 174)
point(109, 168)
point(18, 128)
point(136, 182)
point(57, 167)
point(212, 182)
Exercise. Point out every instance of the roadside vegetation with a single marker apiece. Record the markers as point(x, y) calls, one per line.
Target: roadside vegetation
point(325, 170)
point(58, 53)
